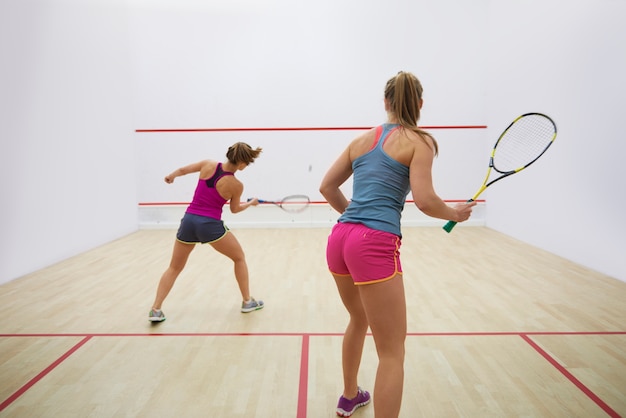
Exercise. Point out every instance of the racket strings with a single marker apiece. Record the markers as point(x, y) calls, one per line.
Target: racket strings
point(523, 142)
point(295, 203)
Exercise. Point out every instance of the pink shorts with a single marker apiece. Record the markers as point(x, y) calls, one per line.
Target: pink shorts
point(366, 254)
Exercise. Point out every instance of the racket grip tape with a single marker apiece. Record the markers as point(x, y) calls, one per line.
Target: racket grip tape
point(448, 226)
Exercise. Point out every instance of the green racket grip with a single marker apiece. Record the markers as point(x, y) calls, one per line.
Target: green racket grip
point(448, 227)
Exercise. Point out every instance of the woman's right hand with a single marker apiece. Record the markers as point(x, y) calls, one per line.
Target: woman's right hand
point(464, 210)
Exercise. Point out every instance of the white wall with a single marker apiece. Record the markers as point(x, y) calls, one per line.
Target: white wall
point(76, 82)
point(282, 63)
point(68, 179)
point(300, 64)
point(567, 60)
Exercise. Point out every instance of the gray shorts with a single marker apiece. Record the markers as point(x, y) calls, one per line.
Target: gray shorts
point(196, 229)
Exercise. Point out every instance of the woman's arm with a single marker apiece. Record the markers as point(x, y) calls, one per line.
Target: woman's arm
point(236, 205)
point(426, 199)
point(337, 174)
point(191, 168)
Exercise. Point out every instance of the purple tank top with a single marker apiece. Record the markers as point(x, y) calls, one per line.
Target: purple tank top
point(206, 199)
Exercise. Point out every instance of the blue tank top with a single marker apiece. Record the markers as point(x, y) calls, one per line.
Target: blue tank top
point(379, 187)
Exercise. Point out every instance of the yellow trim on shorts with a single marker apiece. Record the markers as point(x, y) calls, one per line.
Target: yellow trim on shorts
point(208, 242)
point(378, 280)
point(369, 281)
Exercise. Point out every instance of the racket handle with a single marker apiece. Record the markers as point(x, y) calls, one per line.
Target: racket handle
point(448, 227)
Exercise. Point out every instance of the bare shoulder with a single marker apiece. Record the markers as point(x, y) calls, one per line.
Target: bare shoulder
point(416, 137)
point(404, 145)
point(419, 141)
point(207, 168)
point(423, 146)
point(230, 187)
point(362, 143)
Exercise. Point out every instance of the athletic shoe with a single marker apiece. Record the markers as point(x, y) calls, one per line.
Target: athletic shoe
point(155, 316)
point(346, 407)
point(251, 305)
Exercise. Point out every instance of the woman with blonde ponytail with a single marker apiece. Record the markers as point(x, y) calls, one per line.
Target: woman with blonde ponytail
point(363, 250)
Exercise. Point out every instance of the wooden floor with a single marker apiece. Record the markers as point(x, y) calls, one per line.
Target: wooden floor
point(496, 329)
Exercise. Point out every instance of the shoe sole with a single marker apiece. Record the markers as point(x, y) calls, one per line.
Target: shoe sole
point(156, 319)
point(256, 308)
point(342, 413)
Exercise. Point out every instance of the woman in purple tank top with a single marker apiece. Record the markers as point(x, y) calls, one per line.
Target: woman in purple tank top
point(202, 222)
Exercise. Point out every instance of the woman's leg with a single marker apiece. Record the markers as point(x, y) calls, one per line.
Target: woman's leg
point(230, 247)
point(354, 336)
point(180, 254)
point(385, 307)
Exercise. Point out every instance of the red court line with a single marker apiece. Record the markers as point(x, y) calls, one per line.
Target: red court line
point(304, 357)
point(41, 375)
point(310, 334)
point(315, 202)
point(612, 413)
point(304, 378)
point(182, 334)
point(318, 202)
point(334, 128)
